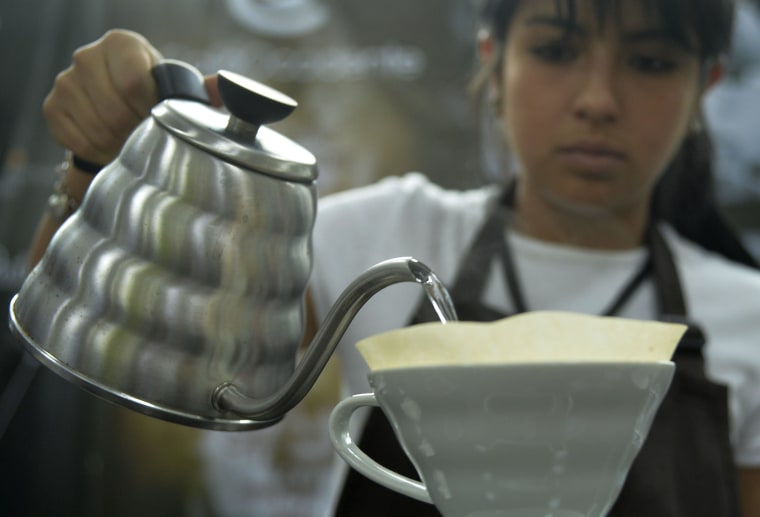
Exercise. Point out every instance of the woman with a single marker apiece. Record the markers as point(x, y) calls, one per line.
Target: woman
point(610, 212)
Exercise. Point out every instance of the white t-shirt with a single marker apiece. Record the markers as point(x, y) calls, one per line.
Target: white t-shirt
point(409, 216)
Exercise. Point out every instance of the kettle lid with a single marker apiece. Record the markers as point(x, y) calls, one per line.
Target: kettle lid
point(240, 137)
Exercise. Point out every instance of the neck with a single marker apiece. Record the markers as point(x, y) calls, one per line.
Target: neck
point(549, 220)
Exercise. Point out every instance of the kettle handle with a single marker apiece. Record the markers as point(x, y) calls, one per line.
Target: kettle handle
point(179, 80)
point(175, 80)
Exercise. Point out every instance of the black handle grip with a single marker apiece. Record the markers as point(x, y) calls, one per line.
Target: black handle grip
point(179, 80)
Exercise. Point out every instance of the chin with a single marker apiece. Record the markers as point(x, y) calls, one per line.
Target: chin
point(585, 202)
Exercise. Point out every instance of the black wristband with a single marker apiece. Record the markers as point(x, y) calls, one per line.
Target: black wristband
point(85, 166)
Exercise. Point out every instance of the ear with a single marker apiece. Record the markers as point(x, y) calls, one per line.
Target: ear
point(712, 77)
point(486, 46)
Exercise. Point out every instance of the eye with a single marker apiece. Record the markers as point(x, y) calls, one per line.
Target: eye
point(560, 51)
point(651, 64)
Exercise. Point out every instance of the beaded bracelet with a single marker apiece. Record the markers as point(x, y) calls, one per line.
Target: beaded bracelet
point(61, 204)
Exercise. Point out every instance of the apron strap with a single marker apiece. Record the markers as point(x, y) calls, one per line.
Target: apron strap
point(671, 305)
point(669, 295)
point(473, 273)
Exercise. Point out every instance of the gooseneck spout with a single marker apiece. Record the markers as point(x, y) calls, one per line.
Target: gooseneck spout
point(228, 398)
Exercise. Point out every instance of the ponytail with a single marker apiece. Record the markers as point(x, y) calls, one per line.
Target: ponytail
point(685, 198)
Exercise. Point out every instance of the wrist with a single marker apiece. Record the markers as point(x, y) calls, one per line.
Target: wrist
point(84, 166)
point(69, 189)
point(76, 180)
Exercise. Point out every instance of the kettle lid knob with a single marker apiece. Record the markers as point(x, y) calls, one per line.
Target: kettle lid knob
point(252, 101)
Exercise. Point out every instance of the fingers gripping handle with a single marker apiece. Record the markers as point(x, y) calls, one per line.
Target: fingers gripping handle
point(175, 80)
point(346, 447)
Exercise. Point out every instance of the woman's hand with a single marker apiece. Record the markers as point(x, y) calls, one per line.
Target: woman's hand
point(95, 105)
point(107, 91)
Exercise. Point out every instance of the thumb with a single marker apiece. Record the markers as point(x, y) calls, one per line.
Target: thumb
point(212, 88)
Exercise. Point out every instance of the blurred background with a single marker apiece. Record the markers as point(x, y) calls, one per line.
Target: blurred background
point(383, 91)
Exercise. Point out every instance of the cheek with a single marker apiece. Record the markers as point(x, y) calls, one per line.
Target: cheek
point(661, 127)
point(528, 114)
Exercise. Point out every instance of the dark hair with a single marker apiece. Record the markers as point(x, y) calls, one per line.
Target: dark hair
point(685, 195)
point(710, 22)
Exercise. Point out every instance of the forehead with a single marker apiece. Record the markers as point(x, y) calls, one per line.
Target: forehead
point(593, 14)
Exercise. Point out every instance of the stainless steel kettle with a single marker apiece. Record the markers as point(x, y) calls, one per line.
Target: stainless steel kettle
point(177, 288)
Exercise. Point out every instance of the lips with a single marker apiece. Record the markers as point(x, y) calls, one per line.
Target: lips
point(592, 157)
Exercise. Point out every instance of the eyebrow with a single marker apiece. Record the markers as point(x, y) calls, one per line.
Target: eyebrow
point(636, 36)
point(558, 22)
point(656, 35)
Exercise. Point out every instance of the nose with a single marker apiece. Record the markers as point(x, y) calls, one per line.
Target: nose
point(597, 100)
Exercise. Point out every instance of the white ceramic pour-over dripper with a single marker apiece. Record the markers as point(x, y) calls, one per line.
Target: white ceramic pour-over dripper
point(519, 440)
point(536, 415)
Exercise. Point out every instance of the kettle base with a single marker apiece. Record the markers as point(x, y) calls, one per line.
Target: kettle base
point(124, 399)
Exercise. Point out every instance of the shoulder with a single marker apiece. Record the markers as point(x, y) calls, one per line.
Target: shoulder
point(410, 204)
point(395, 217)
point(709, 267)
point(718, 290)
point(406, 216)
point(412, 190)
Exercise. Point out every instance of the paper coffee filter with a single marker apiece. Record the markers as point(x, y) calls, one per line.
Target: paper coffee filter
point(541, 336)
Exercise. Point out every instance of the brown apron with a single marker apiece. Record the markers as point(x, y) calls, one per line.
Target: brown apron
point(684, 469)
